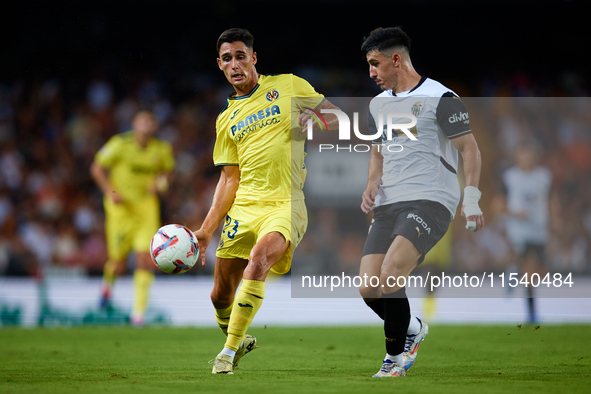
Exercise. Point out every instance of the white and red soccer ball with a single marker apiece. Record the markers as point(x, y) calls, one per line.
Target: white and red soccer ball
point(174, 249)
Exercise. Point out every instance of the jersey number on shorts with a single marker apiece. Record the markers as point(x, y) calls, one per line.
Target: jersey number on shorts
point(230, 231)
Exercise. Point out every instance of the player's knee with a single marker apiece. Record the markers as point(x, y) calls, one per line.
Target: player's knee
point(391, 281)
point(117, 266)
point(261, 260)
point(257, 266)
point(221, 299)
point(370, 292)
point(144, 261)
point(391, 272)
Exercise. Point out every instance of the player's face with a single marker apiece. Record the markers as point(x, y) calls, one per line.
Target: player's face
point(526, 158)
point(381, 69)
point(145, 125)
point(237, 62)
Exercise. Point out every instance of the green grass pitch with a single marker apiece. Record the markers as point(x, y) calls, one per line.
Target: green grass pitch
point(452, 359)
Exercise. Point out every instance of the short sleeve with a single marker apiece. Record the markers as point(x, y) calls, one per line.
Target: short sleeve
point(307, 96)
point(452, 116)
point(110, 153)
point(224, 151)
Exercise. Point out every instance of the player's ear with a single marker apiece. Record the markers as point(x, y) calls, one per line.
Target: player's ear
point(254, 58)
point(396, 58)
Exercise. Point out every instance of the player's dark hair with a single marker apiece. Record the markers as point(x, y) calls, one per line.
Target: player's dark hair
point(383, 39)
point(530, 144)
point(144, 109)
point(233, 35)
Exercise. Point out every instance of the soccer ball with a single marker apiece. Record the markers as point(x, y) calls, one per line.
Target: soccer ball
point(174, 249)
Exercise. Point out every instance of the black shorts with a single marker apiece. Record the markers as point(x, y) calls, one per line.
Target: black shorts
point(422, 222)
point(523, 250)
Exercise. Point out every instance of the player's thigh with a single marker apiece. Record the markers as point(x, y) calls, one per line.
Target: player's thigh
point(118, 231)
point(146, 221)
point(370, 270)
point(265, 254)
point(401, 259)
point(378, 241)
point(226, 278)
point(418, 227)
point(238, 233)
point(143, 261)
point(290, 220)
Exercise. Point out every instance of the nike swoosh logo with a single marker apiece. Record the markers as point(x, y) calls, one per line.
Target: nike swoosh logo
point(245, 305)
point(234, 113)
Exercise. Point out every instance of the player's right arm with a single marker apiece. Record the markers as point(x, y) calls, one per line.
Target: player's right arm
point(107, 157)
point(374, 179)
point(223, 198)
point(101, 178)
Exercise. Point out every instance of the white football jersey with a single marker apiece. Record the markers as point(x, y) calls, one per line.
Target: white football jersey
point(528, 192)
point(424, 168)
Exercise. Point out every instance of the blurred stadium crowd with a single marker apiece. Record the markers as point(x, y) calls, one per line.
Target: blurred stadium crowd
point(51, 212)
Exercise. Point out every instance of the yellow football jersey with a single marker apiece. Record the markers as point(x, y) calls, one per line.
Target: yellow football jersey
point(255, 132)
point(132, 168)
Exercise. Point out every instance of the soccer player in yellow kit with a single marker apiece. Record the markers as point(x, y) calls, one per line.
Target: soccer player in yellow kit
point(260, 188)
point(131, 169)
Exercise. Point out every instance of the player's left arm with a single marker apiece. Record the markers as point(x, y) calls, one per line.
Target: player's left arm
point(310, 104)
point(454, 121)
point(468, 149)
point(331, 120)
point(161, 183)
point(165, 175)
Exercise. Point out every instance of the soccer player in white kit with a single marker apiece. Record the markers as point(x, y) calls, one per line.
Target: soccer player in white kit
point(412, 185)
point(527, 189)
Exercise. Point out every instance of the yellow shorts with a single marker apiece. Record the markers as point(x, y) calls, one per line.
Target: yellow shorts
point(246, 223)
point(129, 226)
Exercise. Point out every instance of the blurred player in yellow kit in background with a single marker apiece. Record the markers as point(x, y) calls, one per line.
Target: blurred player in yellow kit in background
point(436, 261)
point(131, 169)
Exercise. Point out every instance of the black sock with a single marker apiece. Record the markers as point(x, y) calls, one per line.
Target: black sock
point(396, 320)
point(530, 300)
point(377, 306)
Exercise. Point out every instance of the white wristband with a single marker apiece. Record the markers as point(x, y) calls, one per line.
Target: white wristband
point(471, 197)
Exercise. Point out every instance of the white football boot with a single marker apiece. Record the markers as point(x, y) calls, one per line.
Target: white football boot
point(411, 346)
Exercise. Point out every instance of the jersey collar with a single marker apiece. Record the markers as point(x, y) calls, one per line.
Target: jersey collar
point(423, 79)
point(232, 96)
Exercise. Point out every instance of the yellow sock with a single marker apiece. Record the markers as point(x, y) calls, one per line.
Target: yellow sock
point(222, 316)
point(248, 301)
point(109, 273)
point(429, 307)
point(142, 281)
